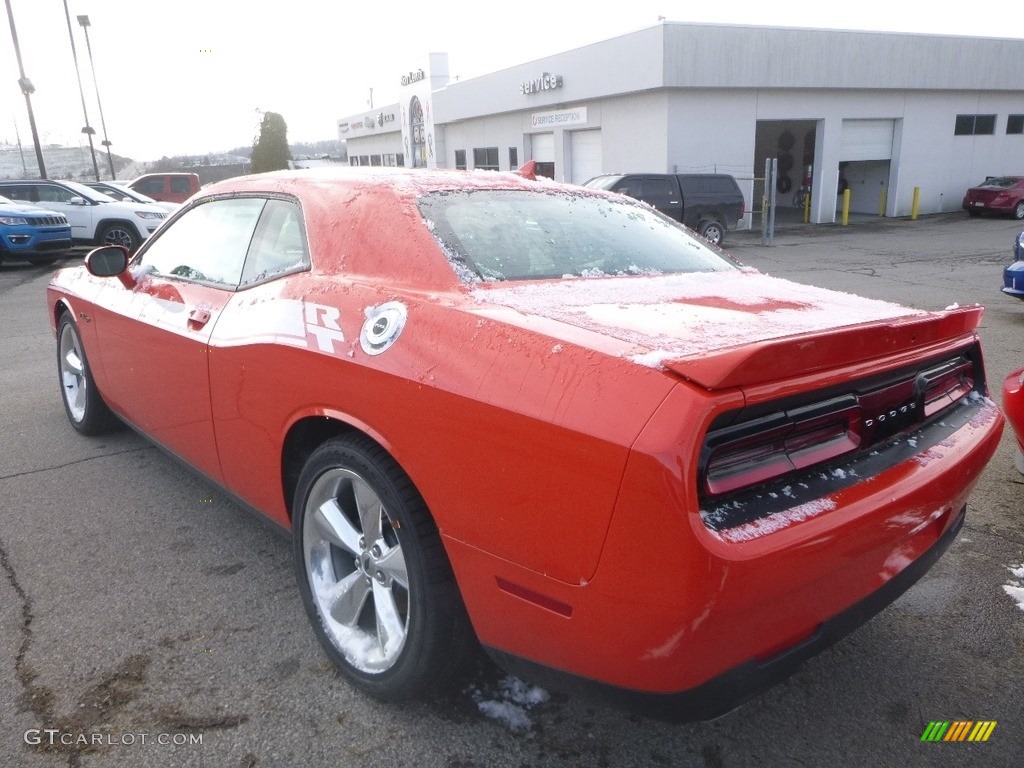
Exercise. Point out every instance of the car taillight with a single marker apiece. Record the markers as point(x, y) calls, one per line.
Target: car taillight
point(943, 386)
point(746, 454)
point(766, 450)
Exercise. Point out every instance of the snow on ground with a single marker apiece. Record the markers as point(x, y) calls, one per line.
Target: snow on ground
point(1014, 589)
point(511, 704)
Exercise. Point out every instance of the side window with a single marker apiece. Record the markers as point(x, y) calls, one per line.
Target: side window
point(632, 187)
point(149, 186)
point(208, 243)
point(49, 194)
point(657, 191)
point(26, 193)
point(179, 184)
point(279, 244)
point(723, 185)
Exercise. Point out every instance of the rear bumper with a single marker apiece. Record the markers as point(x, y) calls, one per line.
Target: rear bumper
point(990, 206)
point(732, 688)
point(687, 622)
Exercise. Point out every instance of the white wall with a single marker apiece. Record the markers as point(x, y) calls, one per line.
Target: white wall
point(634, 133)
point(380, 144)
point(501, 131)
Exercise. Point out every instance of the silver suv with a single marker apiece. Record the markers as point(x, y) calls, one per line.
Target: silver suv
point(95, 219)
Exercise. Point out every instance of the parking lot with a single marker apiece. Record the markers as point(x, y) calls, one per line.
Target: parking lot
point(149, 621)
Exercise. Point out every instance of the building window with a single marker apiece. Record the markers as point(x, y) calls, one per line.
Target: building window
point(1015, 124)
point(513, 158)
point(460, 159)
point(974, 125)
point(353, 160)
point(486, 159)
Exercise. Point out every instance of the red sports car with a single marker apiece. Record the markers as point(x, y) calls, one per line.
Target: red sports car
point(545, 418)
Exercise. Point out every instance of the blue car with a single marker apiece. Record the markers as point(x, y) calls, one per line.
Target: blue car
point(30, 233)
point(1013, 275)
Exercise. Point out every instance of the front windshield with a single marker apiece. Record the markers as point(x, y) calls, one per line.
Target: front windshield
point(491, 235)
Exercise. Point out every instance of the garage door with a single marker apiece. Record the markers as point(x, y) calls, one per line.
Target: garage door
point(866, 140)
point(586, 155)
point(543, 145)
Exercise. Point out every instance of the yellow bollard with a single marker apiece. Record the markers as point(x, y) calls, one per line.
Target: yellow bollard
point(846, 207)
point(881, 203)
point(916, 205)
point(807, 208)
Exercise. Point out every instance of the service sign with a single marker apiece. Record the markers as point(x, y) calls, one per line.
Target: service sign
point(559, 117)
point(546, 82)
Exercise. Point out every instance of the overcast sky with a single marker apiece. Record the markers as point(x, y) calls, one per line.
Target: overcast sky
point(188, 77)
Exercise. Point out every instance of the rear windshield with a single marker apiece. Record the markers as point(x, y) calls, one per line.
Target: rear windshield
point(493, 235)
point(1002, 183)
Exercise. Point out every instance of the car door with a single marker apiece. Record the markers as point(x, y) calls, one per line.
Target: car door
point(80, 214)
point(258, 354)
point(154, 337)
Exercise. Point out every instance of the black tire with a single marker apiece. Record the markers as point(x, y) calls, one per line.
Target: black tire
point(360, 529)
point(119, 234)
point(973, 213)
point(83, 404)
point(1018, 210)
point(712, 231)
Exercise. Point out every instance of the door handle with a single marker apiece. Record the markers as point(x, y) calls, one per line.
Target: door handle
point(197, 318)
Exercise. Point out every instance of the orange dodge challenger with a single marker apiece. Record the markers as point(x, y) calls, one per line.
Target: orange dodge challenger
point(496, 409)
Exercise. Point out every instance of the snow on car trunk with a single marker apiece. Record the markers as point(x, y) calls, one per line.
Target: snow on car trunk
point(688, 322)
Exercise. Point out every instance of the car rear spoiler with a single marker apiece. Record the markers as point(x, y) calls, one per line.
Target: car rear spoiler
point(528, 170)
point(777, 359)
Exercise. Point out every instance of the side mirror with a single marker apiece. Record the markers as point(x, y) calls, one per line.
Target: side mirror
point(77, 201)
point(110, 261)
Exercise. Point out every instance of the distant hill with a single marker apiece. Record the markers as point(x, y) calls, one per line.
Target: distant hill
point(73, 163)
point(330, 147)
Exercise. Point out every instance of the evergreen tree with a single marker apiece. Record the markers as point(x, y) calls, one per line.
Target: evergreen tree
point(270, 150)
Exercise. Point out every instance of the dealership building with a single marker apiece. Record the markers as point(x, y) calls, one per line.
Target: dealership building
point(892, 117)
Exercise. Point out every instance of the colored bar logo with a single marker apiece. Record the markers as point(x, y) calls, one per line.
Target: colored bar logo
point(958, 730)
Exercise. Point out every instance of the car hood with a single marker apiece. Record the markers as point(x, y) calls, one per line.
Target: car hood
point(26, 210)
point(721, 329)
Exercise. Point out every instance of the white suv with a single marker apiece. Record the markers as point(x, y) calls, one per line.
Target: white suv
point(95, 219)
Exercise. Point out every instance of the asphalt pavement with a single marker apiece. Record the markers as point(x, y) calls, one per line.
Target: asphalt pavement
point(146, 620)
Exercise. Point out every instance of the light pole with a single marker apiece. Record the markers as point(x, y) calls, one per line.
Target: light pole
point(28, 89)
point(84, 21)
point(87, 130)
